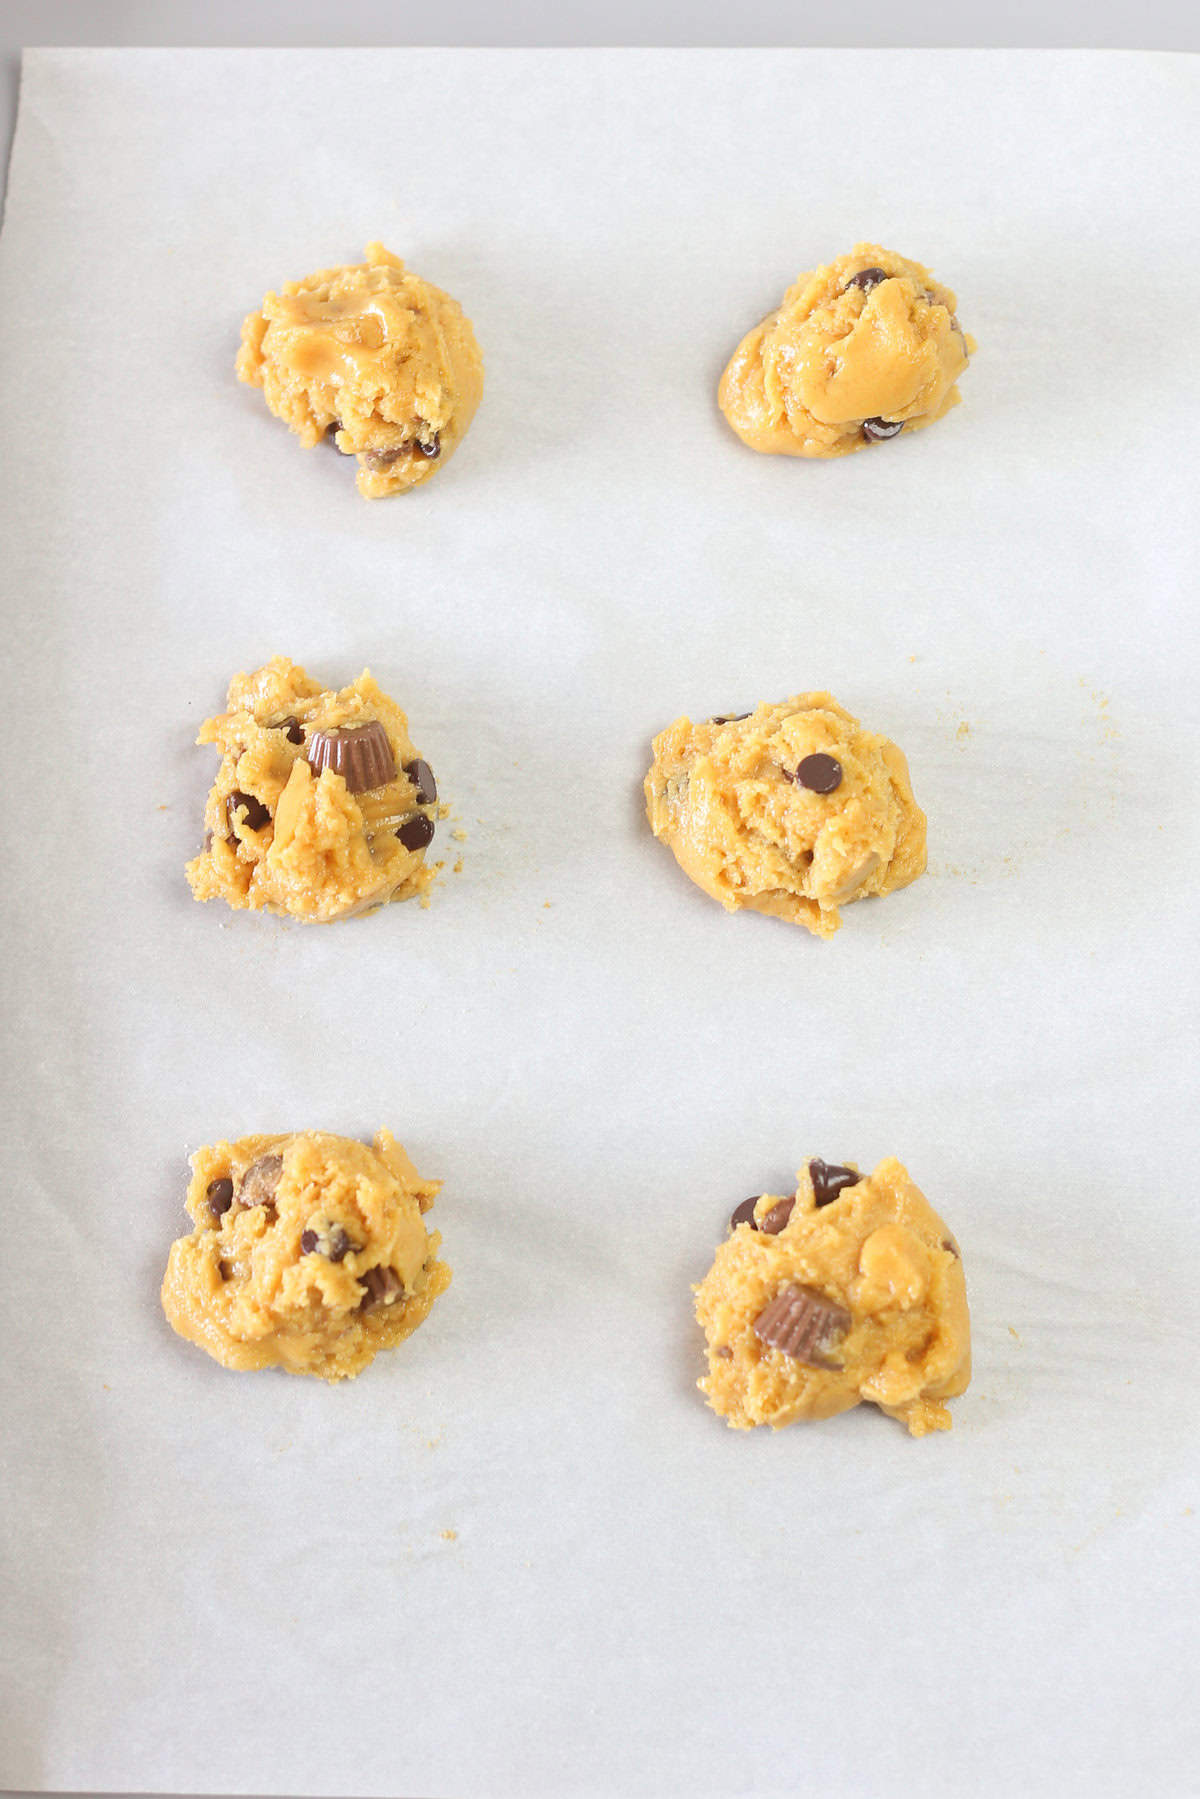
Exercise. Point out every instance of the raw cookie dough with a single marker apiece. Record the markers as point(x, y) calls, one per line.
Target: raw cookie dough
point(321, 807)
point(860, 350)
point(794, 809)
point(375, 355)
point(309, 1253)
point(851, 1290)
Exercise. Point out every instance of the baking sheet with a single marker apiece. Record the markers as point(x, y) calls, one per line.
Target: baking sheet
point(519, 1556)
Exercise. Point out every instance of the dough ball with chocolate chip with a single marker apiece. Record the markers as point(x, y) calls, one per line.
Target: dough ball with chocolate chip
point(860, 351)
point(850, 1290)
point(308, 1252)
point(373, 356)
point(322, 807)
point(794, 809)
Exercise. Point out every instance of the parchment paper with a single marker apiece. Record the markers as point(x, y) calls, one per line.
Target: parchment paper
point(519, 1556)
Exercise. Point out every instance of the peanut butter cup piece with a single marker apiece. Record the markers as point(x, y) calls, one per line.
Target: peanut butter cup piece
point(257, 1186)
point(383, 1287)
point(803, 1324)
point(256, 814)
point(361, 754)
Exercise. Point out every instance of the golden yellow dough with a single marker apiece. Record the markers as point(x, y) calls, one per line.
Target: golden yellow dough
point(374, 355)
point(288, 837)
point(860, 350)
point(309, 1253)
point(728, 799)
point(870, 1286)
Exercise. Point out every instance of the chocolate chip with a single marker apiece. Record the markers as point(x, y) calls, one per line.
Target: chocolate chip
point(219, 1195)
point(308, 1242)
point(338, 1245)
point(430, 448)
point(952, 1246)
point(380, 459)
point(820, 773)
point(421, 776)
point(361, 754)
point(383, 1286)
point(416, 832)
point(876, 430)
point(290, 724)
point(729, 718)
point(724, 1351)
point(257, 1186)
point(208, 841)
point(224, 1269)
point(257, 815)
point(777, 1217)
point(867, 279)
point(745, 1213)
point(803, 1324)
point(829, 1179)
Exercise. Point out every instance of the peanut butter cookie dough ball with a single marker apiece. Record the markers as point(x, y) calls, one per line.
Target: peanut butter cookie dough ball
point(851, 1289)
point(309, 1253)
point(793, 809)
point(373, 355)
point(322, 807)
point(860, 350)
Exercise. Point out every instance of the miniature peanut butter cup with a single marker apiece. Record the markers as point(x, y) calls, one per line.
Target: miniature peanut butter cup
point(361, 754)
point(803, 1324)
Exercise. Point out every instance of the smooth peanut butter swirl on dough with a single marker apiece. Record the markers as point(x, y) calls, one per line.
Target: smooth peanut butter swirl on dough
point(374, 357)
point(322, 807)
point(860, 350)
point(308, 1252)
point(849, 1289)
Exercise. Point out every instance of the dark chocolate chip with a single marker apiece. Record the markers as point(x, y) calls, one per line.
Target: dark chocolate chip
point(383, 1286)
point(224, 1269)
point(729, 718)
point(820, 773)
point(257, 815)
point(380, 459)
point(361, 754)
point(308, 1242)
point(290, 724)
point(339, 1244)
point(829, 1179)
point(745, 1213)
point(430, 449)
point(803, 1324)
point(257, 1186)
point(951, 1245)
point(421, 776)
point(867, 279)
point(724, 1351)
point(219, 1195)
point(877, 430)
point(777, 1217)
point(416, 833)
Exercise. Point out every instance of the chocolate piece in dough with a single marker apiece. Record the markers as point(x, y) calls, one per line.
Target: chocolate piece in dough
point(321, 821)
point(723, 798)
point(860, 350)
point(859, 1298)
point(375, 355)
point(337, 1267)
point(829, 1179)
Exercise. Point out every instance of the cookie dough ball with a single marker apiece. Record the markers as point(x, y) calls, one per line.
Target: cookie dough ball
point(860, 350)
point(309, 1253)
point(374, 355)
point(793, 809)
point(850, 1289)
point(321, 807)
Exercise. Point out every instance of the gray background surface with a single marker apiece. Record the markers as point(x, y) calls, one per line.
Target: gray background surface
point(1144, 24)
point(968, 24)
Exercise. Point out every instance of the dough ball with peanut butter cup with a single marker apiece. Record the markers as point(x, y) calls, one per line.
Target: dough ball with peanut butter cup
point(849, 1290)
point(322, 807)
point(794, 809)
point(859, 351)
point(308, 1252)
point(375, 358)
